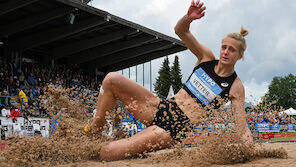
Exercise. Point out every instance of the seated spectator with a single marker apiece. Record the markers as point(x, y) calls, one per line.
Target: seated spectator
point(42, 110)
point(94, 112)
point(9, 80)
point(36, 91)
point(14, 113)
point(26, 111)
point(26, 85)
point(5, 112)
point(30, 96)
point(23, 97)
point(4, 99)
point(34, 109)
point(19, 71)
point(2, 81)
point(22, 79)
point(31, 79)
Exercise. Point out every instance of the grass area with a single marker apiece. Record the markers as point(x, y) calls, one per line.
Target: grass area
point(284, 138)
point(279, 136)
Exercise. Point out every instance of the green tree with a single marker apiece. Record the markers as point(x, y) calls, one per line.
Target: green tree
point(176, 75)
point(163, 82)
point(282, 90)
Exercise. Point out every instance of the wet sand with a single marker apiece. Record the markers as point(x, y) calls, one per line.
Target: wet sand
point(153, 159)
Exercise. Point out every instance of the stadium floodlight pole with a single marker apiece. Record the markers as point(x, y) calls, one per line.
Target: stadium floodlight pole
point(150, 77)
point(136, 73)
point(143, 75)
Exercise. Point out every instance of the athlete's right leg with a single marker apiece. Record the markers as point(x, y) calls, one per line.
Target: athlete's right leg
point(141, 103)
point(150, 139)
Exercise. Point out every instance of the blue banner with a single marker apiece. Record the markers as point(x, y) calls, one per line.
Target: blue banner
point(262, 127)
point(210, 128)
point(267, 127)
point(291, 127)
point(274, 127)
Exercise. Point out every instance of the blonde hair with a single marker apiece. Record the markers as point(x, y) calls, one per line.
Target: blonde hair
point(240, 37)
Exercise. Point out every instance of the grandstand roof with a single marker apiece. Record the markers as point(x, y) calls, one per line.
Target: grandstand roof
point(71, 32)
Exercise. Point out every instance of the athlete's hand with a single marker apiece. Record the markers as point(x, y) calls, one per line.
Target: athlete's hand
point(196, 10)
point(86, 130)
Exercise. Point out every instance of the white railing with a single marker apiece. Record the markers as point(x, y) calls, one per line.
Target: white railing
point(24, 127)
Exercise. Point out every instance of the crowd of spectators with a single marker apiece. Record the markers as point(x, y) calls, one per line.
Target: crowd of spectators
point(269, 117)
point(22, 86)
point(28, 82)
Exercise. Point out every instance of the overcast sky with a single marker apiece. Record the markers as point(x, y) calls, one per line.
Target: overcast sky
point(271, 43)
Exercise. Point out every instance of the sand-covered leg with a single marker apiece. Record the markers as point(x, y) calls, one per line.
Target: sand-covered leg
point(150, 139)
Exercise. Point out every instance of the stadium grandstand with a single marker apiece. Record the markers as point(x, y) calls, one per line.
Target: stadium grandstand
point(73, 33)
point(68, 43)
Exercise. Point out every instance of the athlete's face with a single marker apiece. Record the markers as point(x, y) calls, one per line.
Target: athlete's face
point(229, 52)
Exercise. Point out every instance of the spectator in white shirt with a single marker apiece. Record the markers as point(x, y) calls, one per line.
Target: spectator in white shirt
point(94, 112)
point(5, 112)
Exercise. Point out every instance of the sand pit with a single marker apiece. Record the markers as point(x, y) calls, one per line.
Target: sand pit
point(153, 159)
point(69, 147)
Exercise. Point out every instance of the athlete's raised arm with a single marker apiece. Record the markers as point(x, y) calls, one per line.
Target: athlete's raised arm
point(195, 11)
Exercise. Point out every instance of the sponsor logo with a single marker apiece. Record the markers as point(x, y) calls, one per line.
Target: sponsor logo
point(208, 79)
point(224, 84)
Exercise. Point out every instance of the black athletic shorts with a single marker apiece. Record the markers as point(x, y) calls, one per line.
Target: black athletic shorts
point(172, 119)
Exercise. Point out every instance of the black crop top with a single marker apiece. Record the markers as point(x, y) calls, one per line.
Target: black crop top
point(205, 85)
